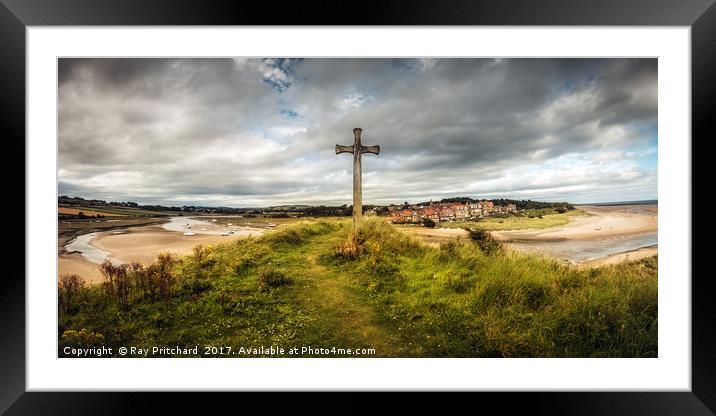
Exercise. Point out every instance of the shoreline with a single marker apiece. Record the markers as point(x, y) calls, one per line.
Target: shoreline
point(605, 227)
point(604, 221)
point(62, 241)
point(622, 257)
point(142, 244)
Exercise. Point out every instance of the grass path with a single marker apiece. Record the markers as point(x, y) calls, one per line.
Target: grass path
point(351, 320)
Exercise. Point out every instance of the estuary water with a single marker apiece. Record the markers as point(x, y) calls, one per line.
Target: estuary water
point(83, 244)
point(181, 224)
point(579, 251)
point(91, 253)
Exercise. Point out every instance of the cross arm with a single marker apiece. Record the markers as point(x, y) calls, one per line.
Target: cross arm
point(343, 149)
point(370, 149)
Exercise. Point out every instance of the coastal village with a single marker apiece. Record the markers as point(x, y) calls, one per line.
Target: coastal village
point(441, 212)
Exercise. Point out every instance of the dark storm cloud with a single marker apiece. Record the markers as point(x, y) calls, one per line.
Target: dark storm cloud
point(251, 131)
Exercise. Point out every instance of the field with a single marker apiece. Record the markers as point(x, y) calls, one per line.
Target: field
point(110, 211)
point(534, 219)
point(316, 284)
point(86, 211)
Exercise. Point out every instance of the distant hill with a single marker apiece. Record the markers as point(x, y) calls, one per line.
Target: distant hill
point(641, 202)
point(276, 210)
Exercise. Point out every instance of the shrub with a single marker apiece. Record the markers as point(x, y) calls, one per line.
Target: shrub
point(194, 287)
point(161, 273)
point(351, 248)
point(271, 277)
point(117, 282)
point(291, 236)
point(487, 243)
point(427, 222)
point(68, 290)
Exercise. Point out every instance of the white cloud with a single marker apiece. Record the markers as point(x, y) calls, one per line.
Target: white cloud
point(247, 132)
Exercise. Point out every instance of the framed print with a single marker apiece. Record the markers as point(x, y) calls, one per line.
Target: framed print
point(471, 198)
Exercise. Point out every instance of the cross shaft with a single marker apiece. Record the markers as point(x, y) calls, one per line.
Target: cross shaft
point(357, 149)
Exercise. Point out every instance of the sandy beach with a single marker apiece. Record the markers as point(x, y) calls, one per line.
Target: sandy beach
point(603, 221)
point(608, 235)
point(142, 244)
point(76, 264)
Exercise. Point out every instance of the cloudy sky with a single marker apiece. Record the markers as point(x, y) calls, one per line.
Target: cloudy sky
point(256, 132)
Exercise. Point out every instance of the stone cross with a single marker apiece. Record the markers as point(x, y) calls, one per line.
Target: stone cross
point(357, 149)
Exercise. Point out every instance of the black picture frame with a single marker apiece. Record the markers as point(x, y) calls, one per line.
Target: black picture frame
point(16, 15)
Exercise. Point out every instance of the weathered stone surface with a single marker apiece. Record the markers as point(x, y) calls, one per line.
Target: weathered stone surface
point(357, 149)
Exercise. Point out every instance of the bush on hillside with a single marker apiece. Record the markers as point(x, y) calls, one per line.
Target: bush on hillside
point(427, 222)
point(68, 290)
point(271, 277)
point(487, 243)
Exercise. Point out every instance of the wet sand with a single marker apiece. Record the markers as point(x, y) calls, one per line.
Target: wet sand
point(633, 255)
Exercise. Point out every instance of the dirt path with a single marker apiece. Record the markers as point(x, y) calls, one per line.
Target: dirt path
point(352, 317)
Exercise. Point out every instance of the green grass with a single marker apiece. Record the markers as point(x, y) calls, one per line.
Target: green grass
point(312, 284)
point(527, 220)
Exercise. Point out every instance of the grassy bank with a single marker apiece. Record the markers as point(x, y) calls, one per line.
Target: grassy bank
point(534, 219)
point(309, 284)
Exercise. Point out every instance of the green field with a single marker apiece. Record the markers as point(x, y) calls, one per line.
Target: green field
point(533, 219)
point(311, 284)
point(129, 211)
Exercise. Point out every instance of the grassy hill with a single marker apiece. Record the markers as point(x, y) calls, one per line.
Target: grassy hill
point(311, 284)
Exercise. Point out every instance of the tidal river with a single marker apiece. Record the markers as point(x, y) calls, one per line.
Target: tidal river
point(204, 226)
point(145, 242)
point(579, 251)
point(604, 231)
point(91, 253)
